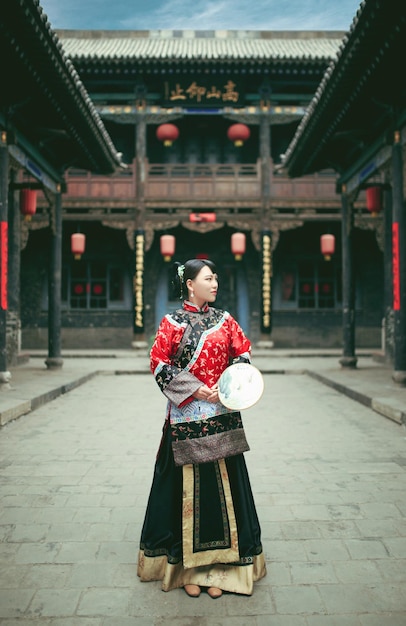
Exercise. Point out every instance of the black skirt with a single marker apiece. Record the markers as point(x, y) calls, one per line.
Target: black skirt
point(218, 522)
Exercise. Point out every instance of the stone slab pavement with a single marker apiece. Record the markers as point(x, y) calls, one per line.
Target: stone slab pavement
point(328, 472)
point(370, 383)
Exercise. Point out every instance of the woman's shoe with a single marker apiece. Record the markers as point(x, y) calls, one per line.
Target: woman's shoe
point(214, 592)
point(192, 590)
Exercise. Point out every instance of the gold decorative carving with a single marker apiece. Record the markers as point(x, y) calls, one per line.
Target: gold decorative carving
point(165, 224)
point(202, 227)
point(149, 236)
point(51, 198)
point(26, 226)
point(119, 224)
point(129, 234)
point(37, 224)
point(372, 223)
point(24, 235)
point(266, 282)
point(138, 282)
point(152, 227)
point(256, 238)
point(240, 224)
point(122, 225)
point(277, 227)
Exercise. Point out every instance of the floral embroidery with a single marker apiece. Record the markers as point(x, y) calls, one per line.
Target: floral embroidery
point(214, 425)
point(214, 341)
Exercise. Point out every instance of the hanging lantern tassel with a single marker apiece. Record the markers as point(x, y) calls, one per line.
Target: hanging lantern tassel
point(238, 245)
point(327, 245)
point(167, 247)
point(28, 203)
point(374, 199)
point(78, 244)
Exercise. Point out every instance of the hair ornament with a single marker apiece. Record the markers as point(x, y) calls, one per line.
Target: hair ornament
point(181, 271)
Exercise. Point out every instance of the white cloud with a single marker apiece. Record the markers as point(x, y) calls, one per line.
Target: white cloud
point(240, 15)
point(202, 14)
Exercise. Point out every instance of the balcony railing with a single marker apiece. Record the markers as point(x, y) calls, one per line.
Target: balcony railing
point(198, 182)
point(82, 184)
point(201, 182)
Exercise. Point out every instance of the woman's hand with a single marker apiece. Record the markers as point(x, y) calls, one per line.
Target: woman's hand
point(210, 394)
point(214, 394)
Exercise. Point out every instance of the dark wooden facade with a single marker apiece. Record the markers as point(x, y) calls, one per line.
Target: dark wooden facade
point(283, 291)
point(47, 124)
point(360, 111)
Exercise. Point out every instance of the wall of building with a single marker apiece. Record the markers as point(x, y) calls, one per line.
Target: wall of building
point(292, 326)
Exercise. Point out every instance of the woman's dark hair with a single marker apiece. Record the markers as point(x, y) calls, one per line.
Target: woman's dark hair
point(182, 273)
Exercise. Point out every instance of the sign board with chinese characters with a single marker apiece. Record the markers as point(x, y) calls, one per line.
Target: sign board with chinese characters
point(224, 92)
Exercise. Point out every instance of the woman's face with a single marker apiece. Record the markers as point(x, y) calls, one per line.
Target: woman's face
point(204, 286)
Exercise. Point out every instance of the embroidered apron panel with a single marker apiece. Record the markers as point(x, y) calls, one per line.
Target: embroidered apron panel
point(209, 529)
point(202, 441)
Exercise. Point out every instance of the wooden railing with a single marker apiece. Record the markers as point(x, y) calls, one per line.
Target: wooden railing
point(82, 184)
point(203, 181)
point(188, 182)
point(316, 186)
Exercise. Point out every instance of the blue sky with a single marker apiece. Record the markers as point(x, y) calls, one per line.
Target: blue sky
point(201, 14)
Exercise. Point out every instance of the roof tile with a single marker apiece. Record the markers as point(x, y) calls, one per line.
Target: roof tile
point(194, 46)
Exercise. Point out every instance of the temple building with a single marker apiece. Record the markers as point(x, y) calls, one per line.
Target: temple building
point(202, 119)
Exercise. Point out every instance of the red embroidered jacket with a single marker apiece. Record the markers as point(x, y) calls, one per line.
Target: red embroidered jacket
point(211, 340)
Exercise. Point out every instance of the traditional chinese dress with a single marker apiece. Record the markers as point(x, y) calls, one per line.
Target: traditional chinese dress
point(201, 525)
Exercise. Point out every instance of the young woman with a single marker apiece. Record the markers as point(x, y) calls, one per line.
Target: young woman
point(201, 528)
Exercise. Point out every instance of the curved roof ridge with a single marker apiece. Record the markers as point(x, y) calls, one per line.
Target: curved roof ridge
point(323, 86)
point(99, 46)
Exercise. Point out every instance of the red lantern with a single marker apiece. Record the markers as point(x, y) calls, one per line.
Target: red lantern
point(238, 133)
point(167, 246)
point(77, 245)
point(238, 245)
point(168, 133)
point(327, 245)
point(28, 203)
point(374, 199)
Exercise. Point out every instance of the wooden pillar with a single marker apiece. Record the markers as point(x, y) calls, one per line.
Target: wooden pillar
point(398, 263)
point(348, 358)
point(14, 264)
point(266, 283)
point(5, 375)
point(138, 288)
point(140, 162)
point(54, 360)
point(387, 276)
point(265, 162)
point(138, 276)
point(266, 235)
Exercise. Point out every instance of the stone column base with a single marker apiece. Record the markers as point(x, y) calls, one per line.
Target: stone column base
point(139, 345)
point(399, 377)
point(54, 363)
point(5, 378)
point(348, 361)
point(265, 343)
